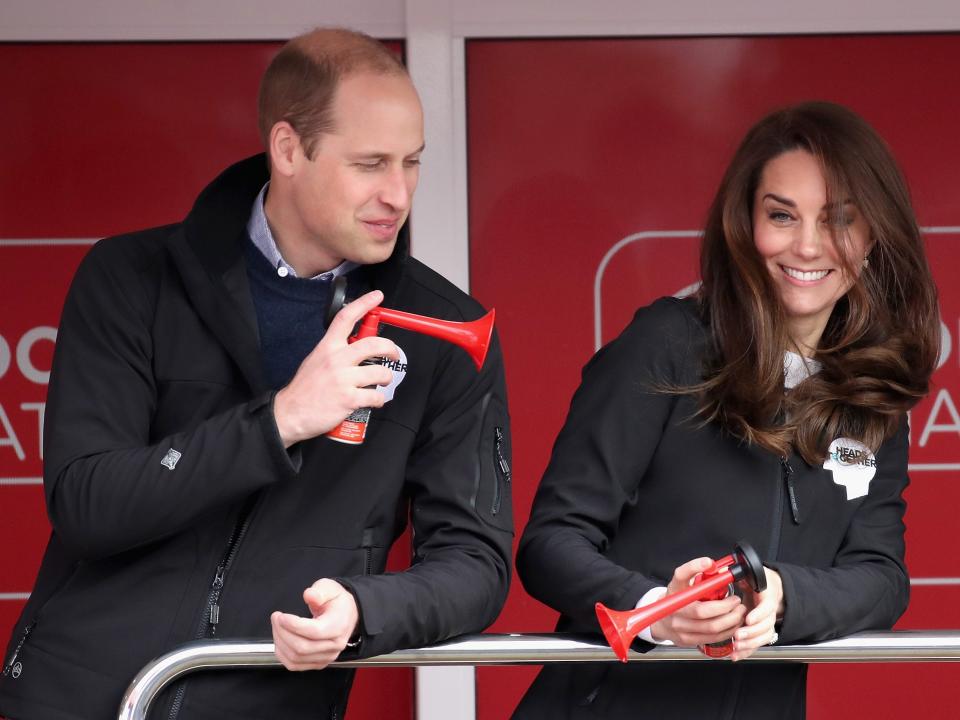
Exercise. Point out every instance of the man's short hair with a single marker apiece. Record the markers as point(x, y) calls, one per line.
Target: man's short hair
point(300, 82)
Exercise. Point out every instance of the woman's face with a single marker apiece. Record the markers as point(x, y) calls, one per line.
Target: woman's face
point(794, 232)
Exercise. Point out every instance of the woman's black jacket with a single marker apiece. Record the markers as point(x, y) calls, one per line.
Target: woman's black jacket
point(637, 486)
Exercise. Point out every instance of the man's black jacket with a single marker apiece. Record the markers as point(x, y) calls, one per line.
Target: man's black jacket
point(158, 352)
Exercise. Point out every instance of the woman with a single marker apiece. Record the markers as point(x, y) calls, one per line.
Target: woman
point(770, 408)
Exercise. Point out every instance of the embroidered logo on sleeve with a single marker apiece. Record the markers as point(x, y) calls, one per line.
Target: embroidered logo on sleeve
point(853, 465)
point(399, 370)
point(170, 459)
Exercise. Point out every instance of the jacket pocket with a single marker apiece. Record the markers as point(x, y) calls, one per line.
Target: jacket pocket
point(502, 473)
point(13, 667)
point(493, 500)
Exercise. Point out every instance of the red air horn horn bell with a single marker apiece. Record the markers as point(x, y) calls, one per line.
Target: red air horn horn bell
point(474, 337)
point(743, 565)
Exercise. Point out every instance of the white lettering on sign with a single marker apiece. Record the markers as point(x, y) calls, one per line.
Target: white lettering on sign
point(41, 409)
point(4, 356)
point(9, 437)
point(942, 402)
point(29, 339)
point(24, 347)
point(946, 345)
point(15, 427)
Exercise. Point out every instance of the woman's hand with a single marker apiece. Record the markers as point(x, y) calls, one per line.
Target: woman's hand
point(758, 627)
point(701, 622)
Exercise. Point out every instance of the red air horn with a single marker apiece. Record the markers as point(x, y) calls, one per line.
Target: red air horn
point(715, 583)
point(474, 337)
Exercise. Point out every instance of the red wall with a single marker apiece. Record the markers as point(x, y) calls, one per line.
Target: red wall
point(575, 145)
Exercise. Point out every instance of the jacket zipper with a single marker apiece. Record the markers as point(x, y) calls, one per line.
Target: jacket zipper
point(213, 601)
point(216, 587)
point(504, 470)
point(9, 667)
point(367, 545)
point(211, 615)
point(791, 490)
point(16, 651)
point(777, 513)
point(785, 478)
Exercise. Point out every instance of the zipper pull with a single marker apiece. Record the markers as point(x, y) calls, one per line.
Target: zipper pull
point(791, 490)
point(16, 651)
point(214, 612)
point(504, 467)
point(213, 615)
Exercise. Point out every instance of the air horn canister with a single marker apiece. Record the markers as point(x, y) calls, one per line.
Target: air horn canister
point(474, 337)
point(742, 567)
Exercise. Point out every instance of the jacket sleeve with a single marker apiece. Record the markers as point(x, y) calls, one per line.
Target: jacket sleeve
point(867, 587)
point(107, 489)
point(615, 422)
point(458, 480)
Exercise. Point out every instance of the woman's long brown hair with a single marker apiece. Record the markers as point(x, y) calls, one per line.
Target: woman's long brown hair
point(881, 343)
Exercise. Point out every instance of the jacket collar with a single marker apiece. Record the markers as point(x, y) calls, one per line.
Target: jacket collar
point(216, 226)
point(209, 256)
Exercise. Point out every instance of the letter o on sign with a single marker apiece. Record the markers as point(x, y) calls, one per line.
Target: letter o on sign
point(946, 345)
point(4, 356)
point(29, 339)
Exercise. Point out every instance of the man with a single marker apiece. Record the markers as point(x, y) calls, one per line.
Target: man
point(190, 487)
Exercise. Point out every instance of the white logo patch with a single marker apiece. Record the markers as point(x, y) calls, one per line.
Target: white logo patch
point(399, 369)
point(853, 465)
point(170, 459)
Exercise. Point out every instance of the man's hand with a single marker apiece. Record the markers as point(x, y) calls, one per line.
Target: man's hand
point(315, 642)
point(701, 622)
point(330, 382)
point(758, 628)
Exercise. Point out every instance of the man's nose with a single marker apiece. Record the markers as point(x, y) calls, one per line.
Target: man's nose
point(397, 190)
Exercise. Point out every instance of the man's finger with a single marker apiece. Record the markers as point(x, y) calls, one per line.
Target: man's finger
point(321, 592)
point(372, 347)
point(297, 645)
point(367, 375)
point(292, 660)
point(351, 313)
point(307, 628)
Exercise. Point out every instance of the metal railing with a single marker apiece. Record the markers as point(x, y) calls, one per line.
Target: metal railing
point(516, 649)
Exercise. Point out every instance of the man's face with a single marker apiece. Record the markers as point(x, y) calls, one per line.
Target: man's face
point(350, 200)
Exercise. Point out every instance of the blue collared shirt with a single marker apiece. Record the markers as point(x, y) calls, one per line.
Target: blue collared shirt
point(259, 231)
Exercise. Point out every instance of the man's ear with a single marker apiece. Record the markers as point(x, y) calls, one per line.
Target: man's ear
point(284, 146)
